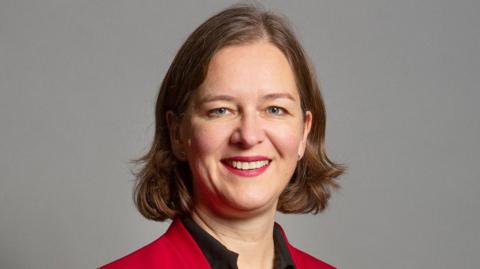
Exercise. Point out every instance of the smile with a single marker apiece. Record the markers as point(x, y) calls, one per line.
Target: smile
point(247, 166)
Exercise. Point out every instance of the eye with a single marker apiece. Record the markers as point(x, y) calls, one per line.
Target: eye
point(218, 112)
point(275, 110)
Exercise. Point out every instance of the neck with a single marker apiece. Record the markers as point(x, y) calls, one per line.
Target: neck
point(251, 238)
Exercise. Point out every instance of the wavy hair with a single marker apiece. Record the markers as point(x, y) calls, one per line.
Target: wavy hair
point(163, 186)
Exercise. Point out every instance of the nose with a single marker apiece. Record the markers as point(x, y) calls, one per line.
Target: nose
point(249, 131)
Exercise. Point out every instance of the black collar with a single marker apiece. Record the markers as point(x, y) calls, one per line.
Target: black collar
point(219, 257)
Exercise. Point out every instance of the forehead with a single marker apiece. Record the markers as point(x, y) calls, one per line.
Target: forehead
point(257, 68)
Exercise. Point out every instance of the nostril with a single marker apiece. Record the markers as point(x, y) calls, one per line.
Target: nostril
point(248, 139)
point(248, 132)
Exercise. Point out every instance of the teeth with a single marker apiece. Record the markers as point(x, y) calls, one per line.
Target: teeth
point(248, 165)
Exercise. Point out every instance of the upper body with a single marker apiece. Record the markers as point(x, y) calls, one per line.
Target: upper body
point(178, 249)
point(240, 128)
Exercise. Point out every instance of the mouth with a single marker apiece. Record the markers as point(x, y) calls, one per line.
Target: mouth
point(248, 166)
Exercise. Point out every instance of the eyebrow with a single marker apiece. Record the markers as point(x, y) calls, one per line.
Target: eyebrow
point(228, 98)
point(213, 98)
point(273, 96)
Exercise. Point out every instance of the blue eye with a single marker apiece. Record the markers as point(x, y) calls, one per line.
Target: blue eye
point(275, 110)
point(218, 112)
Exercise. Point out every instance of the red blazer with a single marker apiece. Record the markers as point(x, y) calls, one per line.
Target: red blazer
point(176, 249)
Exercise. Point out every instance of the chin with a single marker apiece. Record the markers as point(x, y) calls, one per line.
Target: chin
point(253, 203)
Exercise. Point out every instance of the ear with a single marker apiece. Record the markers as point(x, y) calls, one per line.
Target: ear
point(176, 142)
point(307, 125)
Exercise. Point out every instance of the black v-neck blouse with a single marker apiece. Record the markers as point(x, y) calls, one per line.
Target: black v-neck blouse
point(219, 257)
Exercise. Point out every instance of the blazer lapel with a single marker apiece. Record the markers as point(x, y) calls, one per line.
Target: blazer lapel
point(185, 246)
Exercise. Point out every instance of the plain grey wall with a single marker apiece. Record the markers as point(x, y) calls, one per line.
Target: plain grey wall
point(78, 81)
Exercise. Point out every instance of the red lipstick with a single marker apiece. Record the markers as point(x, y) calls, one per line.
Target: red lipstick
point(247, 166)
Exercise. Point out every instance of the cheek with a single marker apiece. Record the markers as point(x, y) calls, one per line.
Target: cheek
point(206, 139)
point(285, 139)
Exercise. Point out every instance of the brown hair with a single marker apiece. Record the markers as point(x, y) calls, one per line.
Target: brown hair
point(164, 183)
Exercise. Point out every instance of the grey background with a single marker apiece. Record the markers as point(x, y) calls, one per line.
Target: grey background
point(78, 80)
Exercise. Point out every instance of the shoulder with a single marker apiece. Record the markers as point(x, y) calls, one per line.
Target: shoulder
point(305, 260)
point(148, 256)
point(174, 249)
point(302, 259)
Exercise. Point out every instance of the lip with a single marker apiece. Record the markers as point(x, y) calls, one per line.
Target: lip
point(247, 158)
point(248, 172)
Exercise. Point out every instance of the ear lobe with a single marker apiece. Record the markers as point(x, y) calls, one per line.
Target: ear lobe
point(173, 123)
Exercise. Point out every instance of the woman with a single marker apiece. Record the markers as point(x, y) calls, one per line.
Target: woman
point(240, 127)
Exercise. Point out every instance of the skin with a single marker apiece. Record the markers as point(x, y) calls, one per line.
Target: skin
point(248, 105)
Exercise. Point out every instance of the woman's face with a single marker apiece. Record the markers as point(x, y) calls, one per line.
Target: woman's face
point(244, 131)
